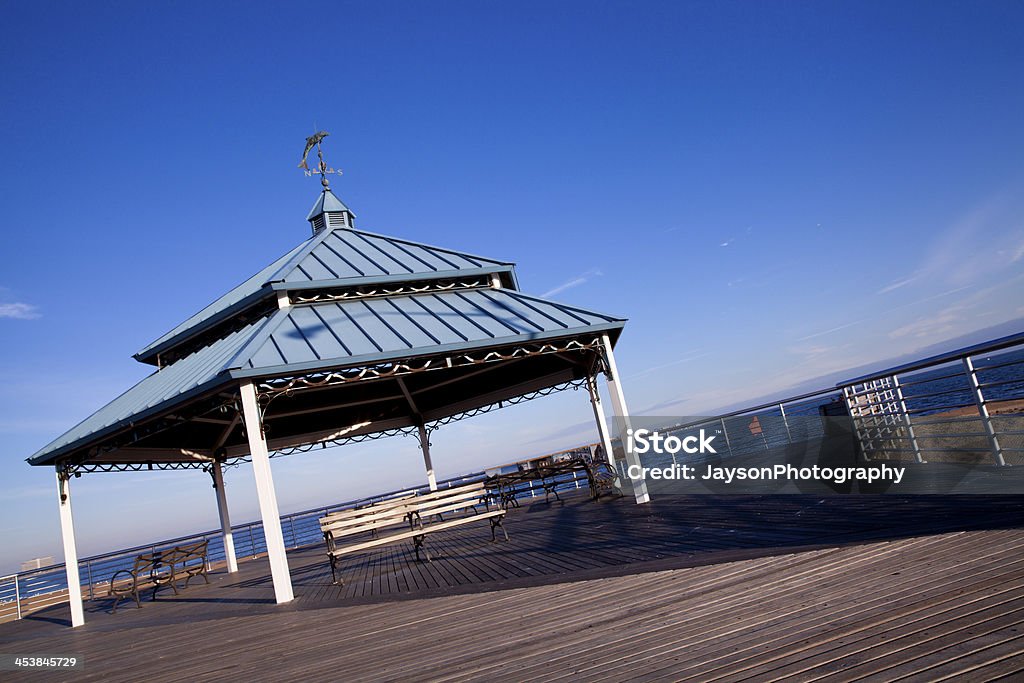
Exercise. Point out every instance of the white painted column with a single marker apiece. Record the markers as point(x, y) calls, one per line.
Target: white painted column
point(269, 512)
point(225, 519)
point(622, 413)
point(67, 532)
point(602, 424)
point(425, 447)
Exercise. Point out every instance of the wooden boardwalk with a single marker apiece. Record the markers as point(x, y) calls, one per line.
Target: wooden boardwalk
point(701, 588)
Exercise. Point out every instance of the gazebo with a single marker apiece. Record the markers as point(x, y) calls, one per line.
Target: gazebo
point(351, 335)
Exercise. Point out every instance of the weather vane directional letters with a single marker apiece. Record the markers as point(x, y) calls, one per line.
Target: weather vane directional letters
point(321, 169)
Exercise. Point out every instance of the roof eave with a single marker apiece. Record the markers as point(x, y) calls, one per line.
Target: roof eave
point(44, 457)
point(506, 270)
point(612, 328)
point(150, 353)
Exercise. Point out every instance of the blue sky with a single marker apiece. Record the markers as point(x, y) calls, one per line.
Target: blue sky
point(771, 192)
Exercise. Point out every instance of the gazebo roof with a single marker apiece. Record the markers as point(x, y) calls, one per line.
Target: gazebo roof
point(337, 335)
point(350, 333)
point(336, 256)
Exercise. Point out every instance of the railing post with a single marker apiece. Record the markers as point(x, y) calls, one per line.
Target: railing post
point(17, 594)
point(785, 422)
point(906, 418)
point(725, 433)
point(88, 572)
point(252, 541)
point(979, 398)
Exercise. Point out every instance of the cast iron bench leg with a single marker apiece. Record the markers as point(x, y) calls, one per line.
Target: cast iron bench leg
point(495, 524)
point(418, 545)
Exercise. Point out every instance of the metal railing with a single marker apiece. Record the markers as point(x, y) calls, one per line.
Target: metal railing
point(965, 406)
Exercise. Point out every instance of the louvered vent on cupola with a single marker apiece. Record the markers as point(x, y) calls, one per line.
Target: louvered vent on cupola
point(329, 212)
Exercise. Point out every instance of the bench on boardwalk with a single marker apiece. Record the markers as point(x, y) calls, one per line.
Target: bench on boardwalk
point(602, 477)
point(158, 569)
point(412, 518)
point(505, 489)
point(350, 514)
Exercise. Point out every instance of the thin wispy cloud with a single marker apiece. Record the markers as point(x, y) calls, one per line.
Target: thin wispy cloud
point(811, 350)
point(829, 331)
point(19, 311)
point(732, 240)
point(680, 361)
point(984, 240)
point(859, 321)
point(942, 323)
point(574, 282)
point(1018, 254)
point(896, 285)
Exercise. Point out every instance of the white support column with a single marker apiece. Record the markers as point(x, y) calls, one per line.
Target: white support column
point(67, 532)
point(425, 447)
point(225, 519)
point(269, 512)
point(619, 406)
point(602, 423)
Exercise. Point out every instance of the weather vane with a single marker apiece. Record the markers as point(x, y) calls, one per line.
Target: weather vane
point(321, 169)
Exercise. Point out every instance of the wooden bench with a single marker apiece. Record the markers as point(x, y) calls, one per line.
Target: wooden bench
point(412, 518)
point(159, 569)
point(365, 511)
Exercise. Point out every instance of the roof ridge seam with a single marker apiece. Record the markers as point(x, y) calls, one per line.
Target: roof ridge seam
point(261, 334)
point(557, 304)
point(433, 246)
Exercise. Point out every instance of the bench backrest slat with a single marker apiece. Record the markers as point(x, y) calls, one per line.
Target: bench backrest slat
point(396, 512)
point(371, 517)
point(367, 509)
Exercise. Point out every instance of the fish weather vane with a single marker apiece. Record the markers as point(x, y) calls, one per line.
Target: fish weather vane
point(321, 169)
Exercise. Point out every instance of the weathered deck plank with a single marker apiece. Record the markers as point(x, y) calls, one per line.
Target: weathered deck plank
point(687, 589)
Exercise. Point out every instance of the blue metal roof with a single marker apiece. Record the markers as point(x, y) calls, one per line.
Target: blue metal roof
point(237, 298)
point(165, 388)
point(326, 335)
point(339, 318)
point(355, 333)
point(329, 258)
